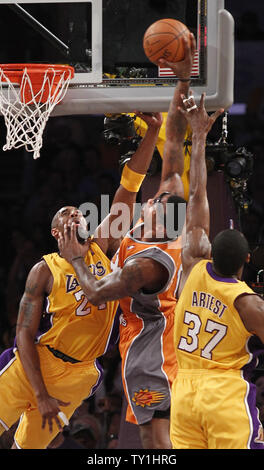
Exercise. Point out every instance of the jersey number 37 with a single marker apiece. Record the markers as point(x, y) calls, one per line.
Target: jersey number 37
point(191, 342)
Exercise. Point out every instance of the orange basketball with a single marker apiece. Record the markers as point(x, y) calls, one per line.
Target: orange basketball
point(163, 40)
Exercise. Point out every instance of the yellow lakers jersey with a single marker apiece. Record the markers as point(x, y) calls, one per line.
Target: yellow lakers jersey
point(208, 330)
point(77, 328)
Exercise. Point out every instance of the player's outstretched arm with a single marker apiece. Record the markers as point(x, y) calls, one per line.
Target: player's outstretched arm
point(30, 311)
point(197, 244)
point(176, 124)
point(136, 274)
point(132, 177)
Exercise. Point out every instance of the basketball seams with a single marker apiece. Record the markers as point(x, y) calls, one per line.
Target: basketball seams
point(168, 43)
point(163, 46)
point(173, 26)
point(183, 31)
point(170, 33)
point(164, 39)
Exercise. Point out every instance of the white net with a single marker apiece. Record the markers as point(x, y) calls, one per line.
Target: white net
point(26, 111)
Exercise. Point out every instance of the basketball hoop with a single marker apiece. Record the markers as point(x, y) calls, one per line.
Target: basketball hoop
point(28, 94)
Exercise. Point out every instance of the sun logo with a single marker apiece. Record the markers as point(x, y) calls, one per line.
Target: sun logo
point(147, 397)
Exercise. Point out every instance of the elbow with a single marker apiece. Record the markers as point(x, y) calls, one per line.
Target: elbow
point(196, 190)
point(198, 195)
point(96, 301)
point(23, 336)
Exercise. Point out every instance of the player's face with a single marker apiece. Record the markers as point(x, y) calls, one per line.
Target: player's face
point(149, 210)
point(68, 215)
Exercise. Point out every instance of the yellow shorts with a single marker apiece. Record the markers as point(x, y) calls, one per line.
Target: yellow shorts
point(211, 410)
point(64, 380)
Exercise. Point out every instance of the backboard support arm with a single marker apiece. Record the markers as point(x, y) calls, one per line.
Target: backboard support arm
point(56, 42)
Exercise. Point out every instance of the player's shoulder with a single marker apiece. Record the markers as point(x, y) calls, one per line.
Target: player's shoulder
point(39, 280)
point(40, 269)
point(247, 301)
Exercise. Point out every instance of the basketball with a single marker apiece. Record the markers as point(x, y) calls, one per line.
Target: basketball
point(163, 40)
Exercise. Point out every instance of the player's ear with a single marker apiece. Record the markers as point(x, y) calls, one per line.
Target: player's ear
point(55, 233)
point(248, 258)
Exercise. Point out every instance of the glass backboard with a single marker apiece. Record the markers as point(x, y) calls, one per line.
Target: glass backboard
point(102, 40)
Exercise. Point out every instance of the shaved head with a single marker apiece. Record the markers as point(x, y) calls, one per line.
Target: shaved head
point(59, 213)
point(54, 221)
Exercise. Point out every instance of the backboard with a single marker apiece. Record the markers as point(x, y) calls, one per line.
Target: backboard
point(102, 39)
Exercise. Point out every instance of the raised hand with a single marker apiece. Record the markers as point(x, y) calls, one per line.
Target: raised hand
point(69, 246)
point(197, 116)
point(151, 119)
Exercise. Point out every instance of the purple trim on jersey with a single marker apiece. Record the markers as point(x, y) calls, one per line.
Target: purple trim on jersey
point(112, 341)
point(45, 322)
point(44, 325)
point(254, 414)
point(255, 348)
point(6, 357)
point(100, 378)
point(211, 273)
point(115, 331)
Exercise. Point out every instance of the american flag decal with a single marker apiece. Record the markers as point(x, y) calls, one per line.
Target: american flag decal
point(167, 72)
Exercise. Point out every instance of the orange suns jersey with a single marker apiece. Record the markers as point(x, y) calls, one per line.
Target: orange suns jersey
point(146, 324)
point(75, 326)
point(144, 305)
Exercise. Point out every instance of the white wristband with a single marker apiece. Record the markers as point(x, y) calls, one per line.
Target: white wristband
point(63, 418)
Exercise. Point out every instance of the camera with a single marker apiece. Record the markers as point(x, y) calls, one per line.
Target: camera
point(236, 163)
point(118, 127)
point(119, 130)
point(237, 166)
point(240, 165)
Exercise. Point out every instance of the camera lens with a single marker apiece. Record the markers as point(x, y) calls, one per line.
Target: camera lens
point(236, 166)
point(111, 138)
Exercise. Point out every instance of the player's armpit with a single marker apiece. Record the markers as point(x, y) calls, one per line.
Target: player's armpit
point(144, 273)
point(251, 310)
point(197, 246)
